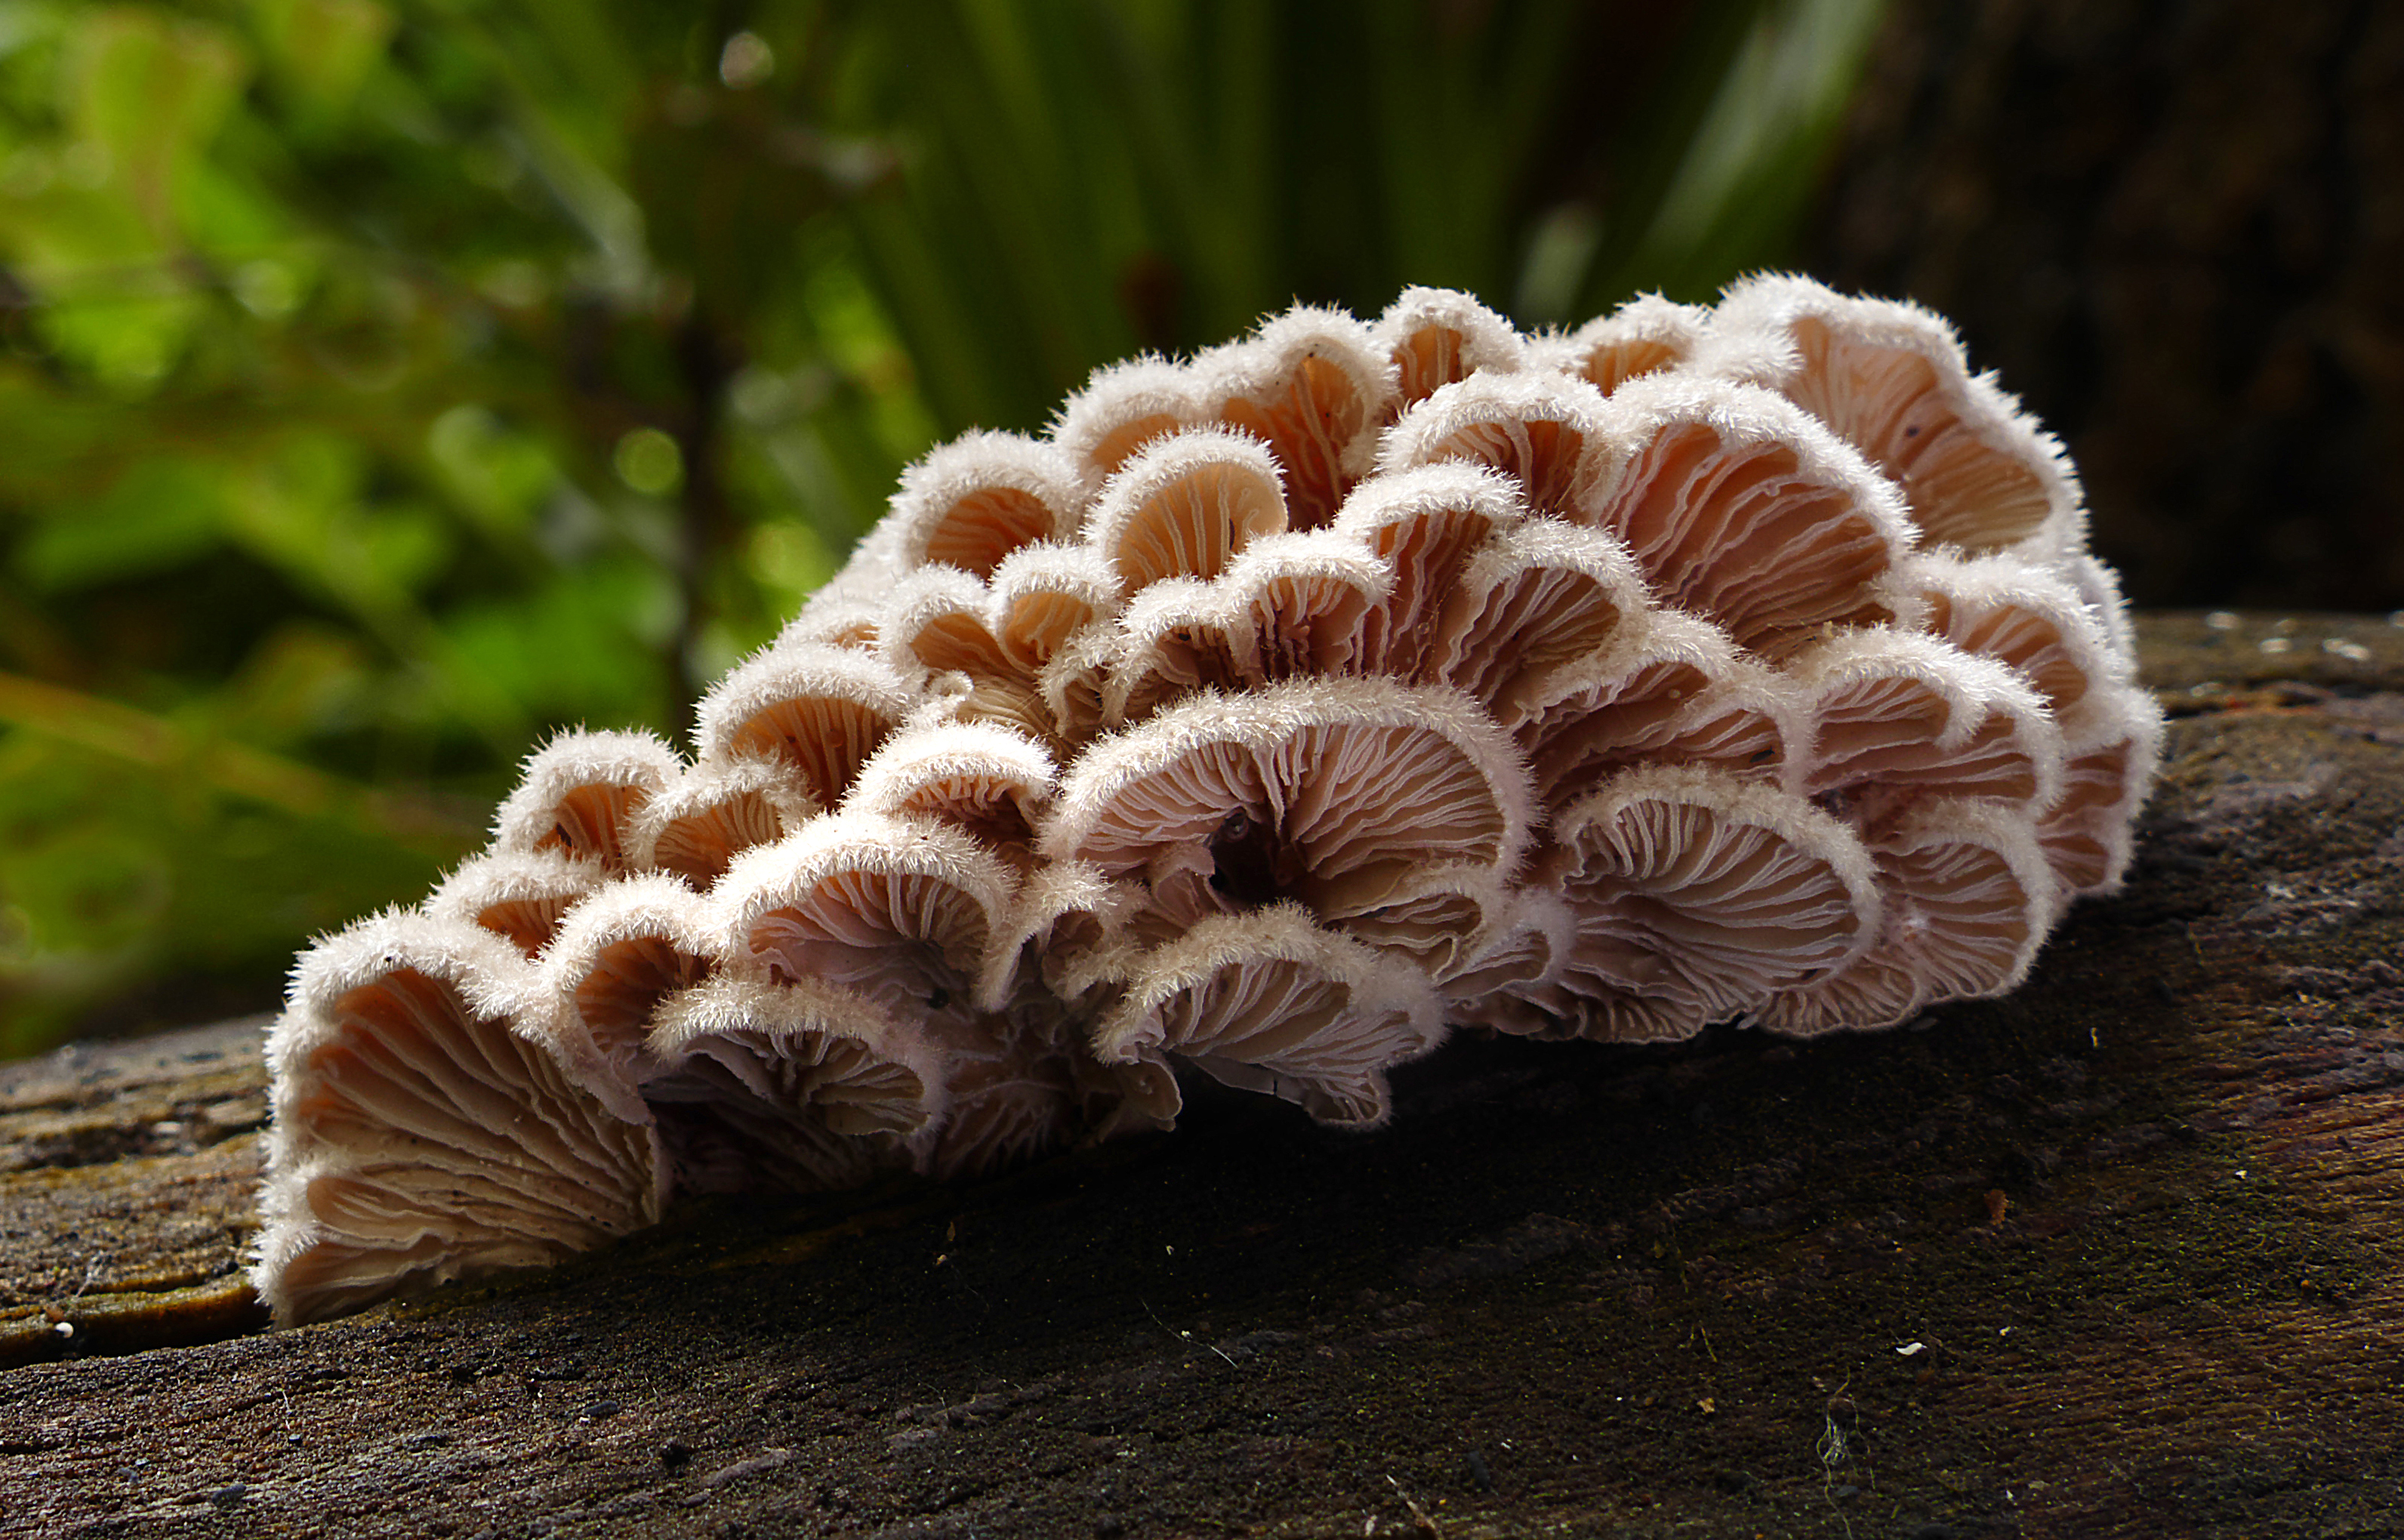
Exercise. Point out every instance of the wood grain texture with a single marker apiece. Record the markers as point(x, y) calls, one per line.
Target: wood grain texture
point(2123, 1253)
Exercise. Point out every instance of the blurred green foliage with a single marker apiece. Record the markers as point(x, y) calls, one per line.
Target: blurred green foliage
point(388, 381)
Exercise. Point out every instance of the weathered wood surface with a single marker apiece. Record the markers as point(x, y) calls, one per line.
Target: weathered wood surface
point(2123, 1253)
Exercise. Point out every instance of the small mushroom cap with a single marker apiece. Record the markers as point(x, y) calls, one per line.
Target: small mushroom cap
point(941, 635)
point(1742, 508)
point(1669, 688)
point(2089, 834)
point(1698, 893)
point(1968, 900)
point(1269, 1001)
point(578, 792)
point(808, 1042)
point(1535, 597)
point(1340, 786)
point(851, 625)
point(619, 954)
point(1521, 943)
point(1014, 1094)
point(904, 907)
point(1183, 506)
point(1891, 379)
point(1046, 594)
point(1434, 336)
point(973, 501)
point(1423, 523)
point(800, 1085)
point(1894, 716)
point(1290, 607)
point(520, 894)
point(422, 1134)
point(1313, 387)
point(1644, 336)
point(1062, 928)
point(821, 710)
point(1437, 918)
point(696, 826)
point(935, 623)
point(1303, 596)
point(1550, 434)
point(985, 779)
point(2025, 617)
point(1123, 408)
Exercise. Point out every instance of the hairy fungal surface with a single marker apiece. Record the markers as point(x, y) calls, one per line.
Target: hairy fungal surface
point(1278, 712)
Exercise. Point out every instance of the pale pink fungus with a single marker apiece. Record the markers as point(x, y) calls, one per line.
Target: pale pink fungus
point(1274, 712)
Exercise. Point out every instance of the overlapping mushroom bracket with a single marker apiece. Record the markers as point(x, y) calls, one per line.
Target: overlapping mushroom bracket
point(1278, 711)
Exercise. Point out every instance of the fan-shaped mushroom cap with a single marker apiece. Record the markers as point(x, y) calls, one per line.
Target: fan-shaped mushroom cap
point(1893, 716)
point(1072, 683)
point(1669, 688)
point(798, 1084)
point(1534, 597)
point(1698, 893)
point(1423, 523)
point(974, 500)
point(2106, 771)
point(905, 908)
point(940, 632)
point(1644, 336)
point(821, 710)
point(1329, 790)
point(1062, 928)
point(1184, 505)
point(835, 618)
point(1968, 900)
point(1303, 596)
point(714, 812)
point(1551, 434)
point(1312, 386)
point(578, 792)
point(1434, 336)
point(1268, 1001)
point(1014, 1094)
point(619, 956)
point(1046, 594)
point(1290, 606)
point(935, 623)
point(519, 894)
point(1438, 918)
point(1742, 508)
point(1891, 379)
point(2024, 617)
point(420, 1135)
point(1176, 639)
point(1123, 408)
point(1521, 943)
point(989, 780)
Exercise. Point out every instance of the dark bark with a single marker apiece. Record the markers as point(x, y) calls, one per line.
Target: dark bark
point(2123, 1252)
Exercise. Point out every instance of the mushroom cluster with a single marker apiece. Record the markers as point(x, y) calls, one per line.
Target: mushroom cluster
point(1275, 713)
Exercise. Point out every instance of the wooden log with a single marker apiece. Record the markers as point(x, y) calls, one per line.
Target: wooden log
point(2121, 1254)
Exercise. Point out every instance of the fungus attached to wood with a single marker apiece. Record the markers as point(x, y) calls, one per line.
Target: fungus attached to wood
point(1276, 712)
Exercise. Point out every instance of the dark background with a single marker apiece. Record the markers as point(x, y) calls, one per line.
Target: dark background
point(2177, 231)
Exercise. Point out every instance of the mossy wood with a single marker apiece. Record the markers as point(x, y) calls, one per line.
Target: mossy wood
point(2123, 1252)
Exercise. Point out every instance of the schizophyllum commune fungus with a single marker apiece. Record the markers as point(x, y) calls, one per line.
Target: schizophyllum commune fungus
point(1278, 712)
